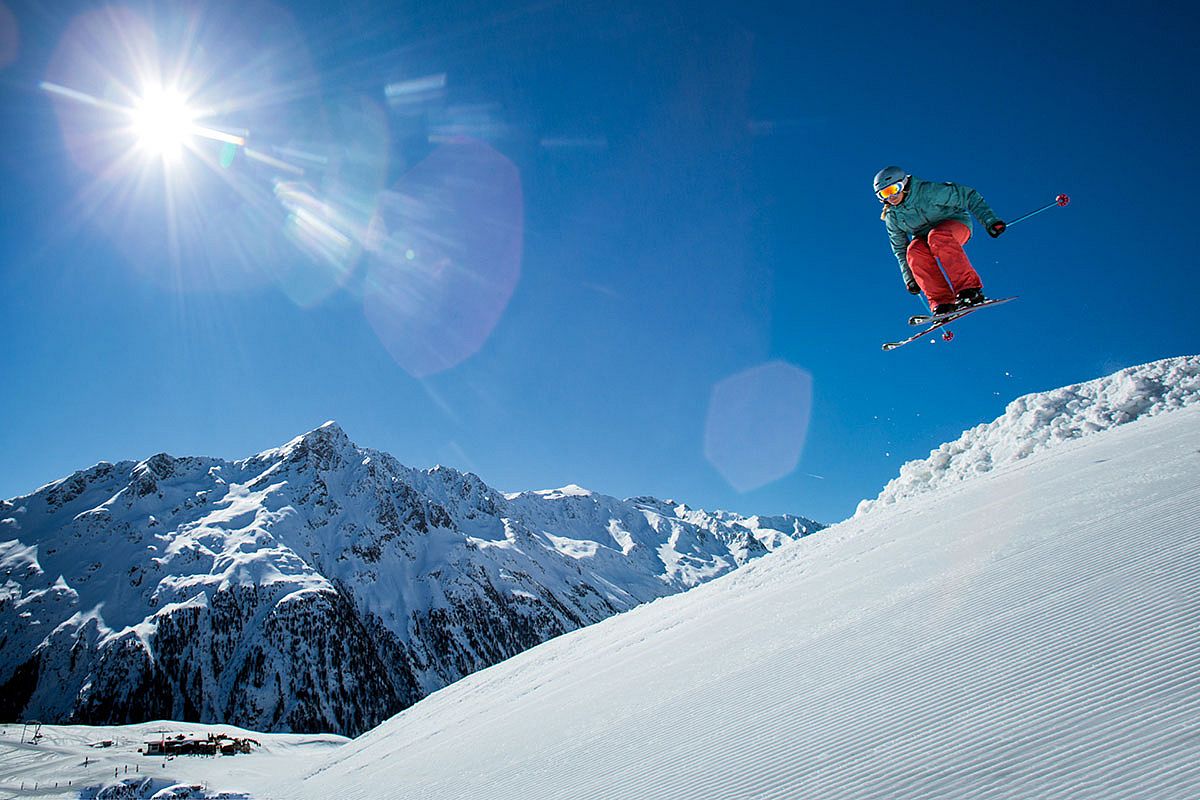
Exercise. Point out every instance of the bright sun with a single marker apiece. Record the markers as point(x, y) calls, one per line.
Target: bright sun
point(163, 123)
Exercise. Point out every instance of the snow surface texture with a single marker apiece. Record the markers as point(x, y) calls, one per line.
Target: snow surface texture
point(317, 586)
point(1037, 421)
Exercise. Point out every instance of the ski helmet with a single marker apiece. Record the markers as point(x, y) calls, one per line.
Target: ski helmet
point(889, 175)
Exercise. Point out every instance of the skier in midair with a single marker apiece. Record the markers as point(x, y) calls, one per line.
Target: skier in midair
point(927, 223)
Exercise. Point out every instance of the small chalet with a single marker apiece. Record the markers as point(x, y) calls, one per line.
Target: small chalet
point(211, 745)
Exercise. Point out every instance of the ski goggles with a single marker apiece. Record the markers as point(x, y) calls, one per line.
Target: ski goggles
point(890, 191)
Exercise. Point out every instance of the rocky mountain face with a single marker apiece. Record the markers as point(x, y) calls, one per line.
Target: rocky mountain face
point(318, 586)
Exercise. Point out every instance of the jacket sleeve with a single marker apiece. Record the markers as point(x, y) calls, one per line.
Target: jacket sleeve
point(973, 201)
point(899, 239)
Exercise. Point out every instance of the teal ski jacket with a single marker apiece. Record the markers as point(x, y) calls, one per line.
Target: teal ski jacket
point(926, 204)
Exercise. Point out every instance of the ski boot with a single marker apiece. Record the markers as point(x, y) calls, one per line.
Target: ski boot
point(970, 297)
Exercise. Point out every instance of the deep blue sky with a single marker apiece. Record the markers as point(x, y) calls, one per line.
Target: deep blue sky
point(688, 189)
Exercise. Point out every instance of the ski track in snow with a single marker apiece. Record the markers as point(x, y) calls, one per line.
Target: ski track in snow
point(1032, 634)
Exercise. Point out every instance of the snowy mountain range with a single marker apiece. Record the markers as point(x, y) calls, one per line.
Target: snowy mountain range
point(318, 586)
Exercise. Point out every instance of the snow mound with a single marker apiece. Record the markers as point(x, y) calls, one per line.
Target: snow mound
point(1037, 421)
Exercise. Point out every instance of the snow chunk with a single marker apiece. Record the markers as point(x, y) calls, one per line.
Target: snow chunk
point(327, 441)
point(1036, 422)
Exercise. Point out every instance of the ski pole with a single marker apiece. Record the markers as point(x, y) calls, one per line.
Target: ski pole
point(1061, 200)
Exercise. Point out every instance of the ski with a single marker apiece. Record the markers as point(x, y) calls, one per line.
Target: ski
point(941, 321)
point(915, 336)
point(925, 319)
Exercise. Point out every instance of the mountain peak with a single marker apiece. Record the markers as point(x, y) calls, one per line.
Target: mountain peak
point(330, 432)
point(158, 466)
point(328, 445)
point(329, 428)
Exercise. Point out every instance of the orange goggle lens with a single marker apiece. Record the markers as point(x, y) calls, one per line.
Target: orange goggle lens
point(889, 191)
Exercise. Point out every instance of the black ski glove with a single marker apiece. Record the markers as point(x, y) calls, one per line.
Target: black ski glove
point(996, 228)
point(912, 287)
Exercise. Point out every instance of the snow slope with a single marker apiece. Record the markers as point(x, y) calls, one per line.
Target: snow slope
point(1031, 633)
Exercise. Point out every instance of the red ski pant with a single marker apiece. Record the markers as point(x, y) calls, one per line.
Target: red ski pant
point(943, 243)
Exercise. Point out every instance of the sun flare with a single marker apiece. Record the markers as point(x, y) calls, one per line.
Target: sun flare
point(163, 123)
